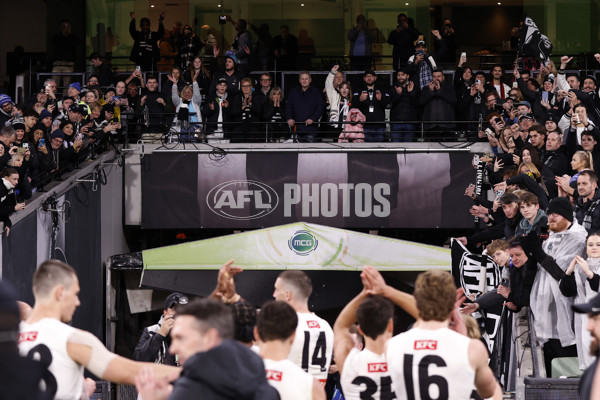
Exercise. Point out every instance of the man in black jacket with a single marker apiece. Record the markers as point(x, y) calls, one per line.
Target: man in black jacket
point(145, 52)
point(372, 103)
point(505, 222)
point(402, 38)
point(438, 100)
point(587, 210)
point(214, 365)
point(589, 385)
point(404, 98)
point(154, 343)
point(555, 157)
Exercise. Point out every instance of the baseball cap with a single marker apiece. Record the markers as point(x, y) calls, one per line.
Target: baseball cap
point(221, 80)
point(230, 54)
point(591, 307)
point(174, 299)
point(526, 116)
point(420, 43)
point(369, 72)
point(524, 103)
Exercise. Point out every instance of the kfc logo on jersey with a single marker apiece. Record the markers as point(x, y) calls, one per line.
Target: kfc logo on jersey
point(274, 375)
point(313, 324)
point(27, 337)
point(425, 344)
point(377, 367)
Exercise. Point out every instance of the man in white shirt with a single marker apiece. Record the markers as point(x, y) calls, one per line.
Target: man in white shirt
point(364, 372)
point(313, 345)
point(70, 350)
point(275, 330)
point(433, 361)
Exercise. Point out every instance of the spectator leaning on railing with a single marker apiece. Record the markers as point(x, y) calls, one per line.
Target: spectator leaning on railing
point(304, 108)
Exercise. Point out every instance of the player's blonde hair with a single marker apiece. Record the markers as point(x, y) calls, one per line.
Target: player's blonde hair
point(435, 294)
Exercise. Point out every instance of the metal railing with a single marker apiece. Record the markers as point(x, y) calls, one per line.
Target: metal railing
point(170, 130)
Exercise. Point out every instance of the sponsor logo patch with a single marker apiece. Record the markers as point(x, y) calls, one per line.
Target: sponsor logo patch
point(425, 344)
point(274, 375)
point(313, 324)
point(377, 367)
point(27, 337)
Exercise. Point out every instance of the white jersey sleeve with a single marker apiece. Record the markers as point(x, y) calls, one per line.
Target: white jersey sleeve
point(430, 364)
point(365, 376)
point(312, 349)
point(48, 338)
point(291, 381)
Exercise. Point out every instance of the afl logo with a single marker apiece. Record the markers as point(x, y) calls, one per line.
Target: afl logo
point(303, 242)
point(242, 200)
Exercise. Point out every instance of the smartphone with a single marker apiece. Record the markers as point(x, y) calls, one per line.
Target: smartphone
point(489, 132)
point(222, 20)
point(138, 68)
point(476, 159)
point(21, 149)
point(545, 96)
point(478, 82)
point(42, 142)
point(26, 145)
point(463, 55)
point(499, 193)
point(79, 136)
point(420, 52)
point(577, 118)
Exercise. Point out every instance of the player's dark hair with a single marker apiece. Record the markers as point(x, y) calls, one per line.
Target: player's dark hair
point(373, 316)
point(277, 320)
point(209, 313)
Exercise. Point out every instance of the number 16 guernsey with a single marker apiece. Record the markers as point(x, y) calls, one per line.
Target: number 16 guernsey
point(430, 364)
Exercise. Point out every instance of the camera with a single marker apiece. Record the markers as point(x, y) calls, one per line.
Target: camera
point(222, 20)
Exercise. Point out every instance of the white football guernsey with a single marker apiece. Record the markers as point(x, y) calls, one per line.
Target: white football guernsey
point(52, 334)
point(290, 380)
point(430, 364)
point(313, 345)
point(365, 375)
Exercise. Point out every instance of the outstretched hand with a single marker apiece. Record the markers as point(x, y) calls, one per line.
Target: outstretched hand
point(373, 281)
point(225, 283)
point(150, 387)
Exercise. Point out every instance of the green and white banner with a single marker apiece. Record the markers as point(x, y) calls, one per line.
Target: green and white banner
point(299, 246)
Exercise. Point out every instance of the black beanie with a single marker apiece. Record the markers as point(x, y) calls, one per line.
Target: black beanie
point(561, 206)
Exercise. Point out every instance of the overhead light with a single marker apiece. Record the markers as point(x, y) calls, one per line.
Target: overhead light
point(301, 4)
point(406, 4)
point(499, 3)
point(219, 5)
point(152, 6)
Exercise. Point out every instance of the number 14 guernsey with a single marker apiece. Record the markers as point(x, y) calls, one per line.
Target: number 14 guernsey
point(313, 345)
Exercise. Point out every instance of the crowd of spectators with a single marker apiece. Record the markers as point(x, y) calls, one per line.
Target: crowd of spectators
point(541, 226)
point(422, 101)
